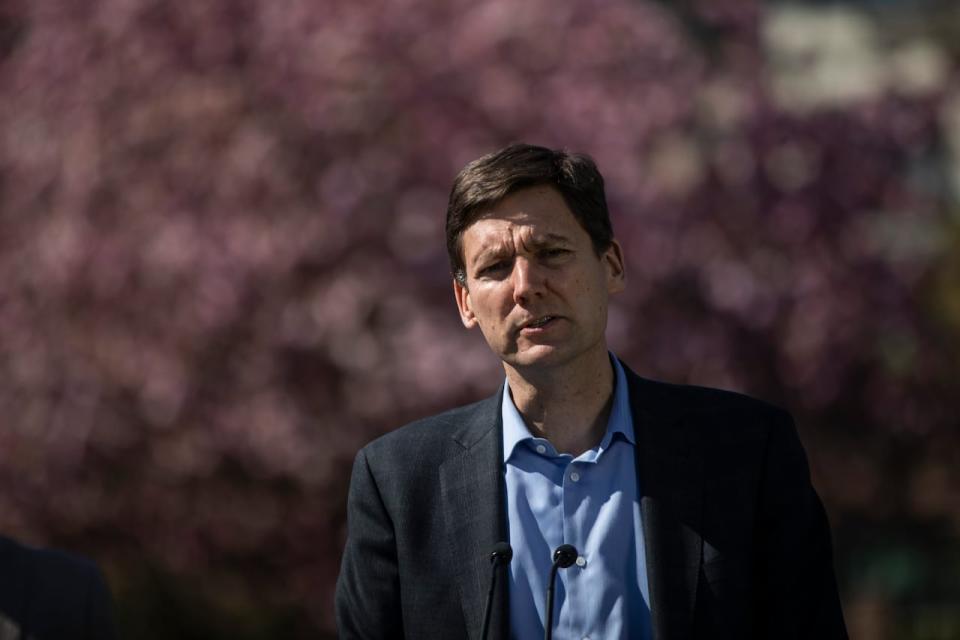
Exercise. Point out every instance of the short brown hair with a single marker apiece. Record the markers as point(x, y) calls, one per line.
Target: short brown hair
point(488, 180)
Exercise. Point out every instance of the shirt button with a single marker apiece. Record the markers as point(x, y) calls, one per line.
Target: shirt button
point(541, 448)
point(575, 476)
point(581, 561)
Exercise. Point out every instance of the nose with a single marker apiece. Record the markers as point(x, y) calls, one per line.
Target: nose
point(528, 281)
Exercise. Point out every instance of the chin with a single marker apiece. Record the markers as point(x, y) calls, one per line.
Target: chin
point(540, 355)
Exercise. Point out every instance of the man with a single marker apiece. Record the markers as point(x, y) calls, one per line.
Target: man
point(51, 595)
point(691, 509)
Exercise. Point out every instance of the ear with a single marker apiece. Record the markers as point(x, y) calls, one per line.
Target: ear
point(462, 294)
point(613, 262)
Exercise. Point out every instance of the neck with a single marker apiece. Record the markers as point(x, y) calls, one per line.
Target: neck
point(569, 405)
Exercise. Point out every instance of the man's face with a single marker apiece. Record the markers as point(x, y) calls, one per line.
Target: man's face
point(535, 286)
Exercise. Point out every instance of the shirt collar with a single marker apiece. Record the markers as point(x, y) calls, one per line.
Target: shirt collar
point(620, 421)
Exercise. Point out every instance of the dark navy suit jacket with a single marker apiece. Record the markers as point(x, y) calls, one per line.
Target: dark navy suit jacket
point(737, 541)
point(51, 595)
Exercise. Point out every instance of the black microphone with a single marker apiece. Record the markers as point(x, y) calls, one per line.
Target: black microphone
point(564, 556)
point(501, 555)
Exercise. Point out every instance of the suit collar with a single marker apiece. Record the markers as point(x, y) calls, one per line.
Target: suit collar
point(473, 423)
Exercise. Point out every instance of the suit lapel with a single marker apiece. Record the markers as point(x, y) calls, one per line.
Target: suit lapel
point(471, 488)
point(670, 469)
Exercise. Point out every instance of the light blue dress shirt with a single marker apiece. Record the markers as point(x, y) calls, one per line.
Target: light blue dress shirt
point(592, 502)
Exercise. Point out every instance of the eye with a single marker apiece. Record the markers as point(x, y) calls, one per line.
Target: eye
point(493, 269)
point(554, 252)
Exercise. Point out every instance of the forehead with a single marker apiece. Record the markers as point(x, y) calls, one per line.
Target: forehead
point(536, 214)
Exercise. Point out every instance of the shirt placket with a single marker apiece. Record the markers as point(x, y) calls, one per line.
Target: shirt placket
point(572, 617)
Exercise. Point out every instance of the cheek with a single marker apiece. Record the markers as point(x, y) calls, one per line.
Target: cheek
point(487, 306)
point(582, 288)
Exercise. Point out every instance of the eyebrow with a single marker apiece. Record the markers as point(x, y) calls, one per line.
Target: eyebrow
point(549, 238)
point(537, 242)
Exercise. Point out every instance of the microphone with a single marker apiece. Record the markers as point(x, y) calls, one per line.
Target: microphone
point(501, 555)
point(563, 556)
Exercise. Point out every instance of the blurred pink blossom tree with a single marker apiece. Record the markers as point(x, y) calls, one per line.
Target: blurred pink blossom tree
point(222, 264)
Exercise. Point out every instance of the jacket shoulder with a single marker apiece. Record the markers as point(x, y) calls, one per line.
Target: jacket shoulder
point(697, 398)
point(44, 562)
point(707, 406)
point(65, 594)
point(458, 426)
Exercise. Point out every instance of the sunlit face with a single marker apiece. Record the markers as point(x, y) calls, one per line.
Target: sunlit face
point(535, 286)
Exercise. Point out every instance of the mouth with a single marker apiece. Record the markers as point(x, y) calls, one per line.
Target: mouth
point(537, 323)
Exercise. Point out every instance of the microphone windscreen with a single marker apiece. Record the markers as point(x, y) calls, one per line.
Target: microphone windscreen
point(565, 555)
point(502, 553)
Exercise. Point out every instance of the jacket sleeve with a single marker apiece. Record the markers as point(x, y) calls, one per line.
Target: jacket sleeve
point(797, 589)
point(368, 588)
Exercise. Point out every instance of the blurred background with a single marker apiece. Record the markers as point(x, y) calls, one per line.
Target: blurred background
point(222, 265)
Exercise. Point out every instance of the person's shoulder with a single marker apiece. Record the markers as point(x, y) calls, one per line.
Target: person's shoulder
point(42, 562)
point(689, 397)
point(66, 563)
point(707, 407)
point(458, 426)
point(63, 595)
point(733, 426)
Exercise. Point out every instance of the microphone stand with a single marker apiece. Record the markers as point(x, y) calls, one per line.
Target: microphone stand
point(502, 554)
point(564, 556)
